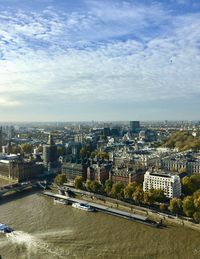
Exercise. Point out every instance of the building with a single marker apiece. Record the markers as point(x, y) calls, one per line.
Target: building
point(126, 175)
point(99, 172)
point(188, 164)
point(50, 154)
point(18, 170)
point(134, 126)
point(72, 170)
point(169, 183)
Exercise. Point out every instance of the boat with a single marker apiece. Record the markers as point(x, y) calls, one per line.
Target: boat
point(60, 201)
point(82, 206)
point(5, 229)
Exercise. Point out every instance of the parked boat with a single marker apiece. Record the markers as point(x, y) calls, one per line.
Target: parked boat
point(82, 206)
point(60, 201)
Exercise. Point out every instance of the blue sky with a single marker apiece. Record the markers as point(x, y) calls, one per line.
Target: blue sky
point(99, 60)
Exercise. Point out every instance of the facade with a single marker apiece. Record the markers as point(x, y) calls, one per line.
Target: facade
point(50, 154)
point(126, 175)
point(72, 170)
point(190, 166)
point(99, 173)
point(20, 170)
point(170, 184)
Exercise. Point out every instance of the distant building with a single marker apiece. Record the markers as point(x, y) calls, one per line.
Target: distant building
point(169, 183)
point(50, 154)
point(134, 126)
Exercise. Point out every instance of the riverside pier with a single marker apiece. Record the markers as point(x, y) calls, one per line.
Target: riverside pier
point(107, 210)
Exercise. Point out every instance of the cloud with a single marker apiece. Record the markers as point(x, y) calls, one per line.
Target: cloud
point(8, 103)
point(118, 52)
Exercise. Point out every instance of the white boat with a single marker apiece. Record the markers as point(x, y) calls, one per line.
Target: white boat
point(60, 201)
point(5, 229)
point(82, 206)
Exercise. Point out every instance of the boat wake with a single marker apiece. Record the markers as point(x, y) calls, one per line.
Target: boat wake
point(33, 244)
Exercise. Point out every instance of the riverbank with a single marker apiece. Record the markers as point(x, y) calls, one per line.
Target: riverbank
point(152, 214)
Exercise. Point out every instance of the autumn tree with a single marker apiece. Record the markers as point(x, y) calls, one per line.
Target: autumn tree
point(60, 179)
point(78, 182)
point(175, 205)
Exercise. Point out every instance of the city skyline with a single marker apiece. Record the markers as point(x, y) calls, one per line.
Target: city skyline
point(99, 60)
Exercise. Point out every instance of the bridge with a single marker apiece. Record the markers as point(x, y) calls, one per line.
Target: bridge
point(16, 187)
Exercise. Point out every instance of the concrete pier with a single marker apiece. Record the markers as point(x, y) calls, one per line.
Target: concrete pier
point(105, 209)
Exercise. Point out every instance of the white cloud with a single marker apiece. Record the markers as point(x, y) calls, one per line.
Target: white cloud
point(64, 57)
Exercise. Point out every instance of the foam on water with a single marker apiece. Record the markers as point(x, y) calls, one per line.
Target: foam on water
point(33, 244)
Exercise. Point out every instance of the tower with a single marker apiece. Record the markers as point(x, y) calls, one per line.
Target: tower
point(50, 153)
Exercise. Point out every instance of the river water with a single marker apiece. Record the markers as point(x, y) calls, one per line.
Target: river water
point(45, 230)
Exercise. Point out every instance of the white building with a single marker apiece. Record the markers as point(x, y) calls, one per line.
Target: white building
point(169, 183)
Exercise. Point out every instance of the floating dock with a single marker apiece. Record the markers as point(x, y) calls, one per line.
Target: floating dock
point(115, 212)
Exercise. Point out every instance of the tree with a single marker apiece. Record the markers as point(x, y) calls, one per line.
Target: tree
point(196, 216)
point(159, 195)
point(129, 190)
point(175, 205)
point(187, 186)
point(188, 206)
point(108, 186)
point(149, 198)
point(88, 185)
point(83, 152)
point(118, 190)
point(197, 203)
point(138, 195)
point(60, 179)
point(78, 182)
point(26, 148)
point(162, 207)
point(95, 186)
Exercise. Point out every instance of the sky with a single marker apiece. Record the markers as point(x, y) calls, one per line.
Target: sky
point(68, 60)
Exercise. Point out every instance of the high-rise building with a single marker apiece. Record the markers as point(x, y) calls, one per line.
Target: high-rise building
point(134, 126)
point(50, 153)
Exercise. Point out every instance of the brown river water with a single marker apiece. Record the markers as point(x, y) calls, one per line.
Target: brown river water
point(44, 230)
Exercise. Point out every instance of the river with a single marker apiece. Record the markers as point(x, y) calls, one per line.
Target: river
point(45, 230)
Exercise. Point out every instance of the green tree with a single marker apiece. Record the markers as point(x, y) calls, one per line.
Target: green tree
point(138, 195)
point(188, 206)
point(118, 190)
point(196, 216)
point(78, 182)
point(88, 185)
point(95, 186)
point(149, 198)
point(83, 152)
point(159, 195)
point(187, 186)
point(26, 148)
point(108, 186)
point(129, 190)
point(60, 179)
point(175, 206)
